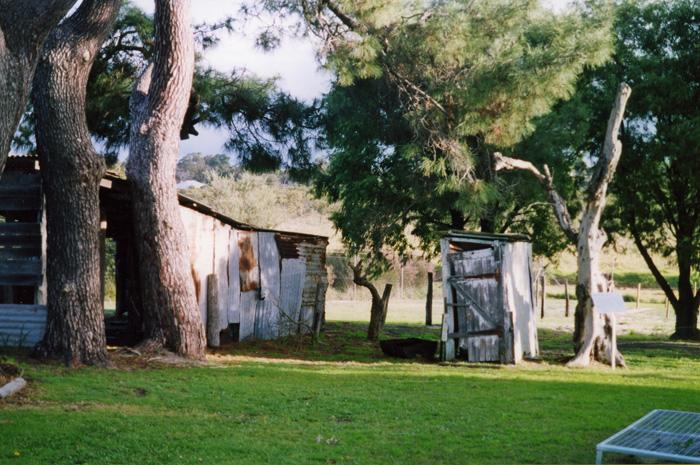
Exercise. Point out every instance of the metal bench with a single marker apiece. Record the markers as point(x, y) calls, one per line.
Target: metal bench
point(668, 435)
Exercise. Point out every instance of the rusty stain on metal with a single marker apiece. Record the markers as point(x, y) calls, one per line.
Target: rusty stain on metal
point(195, 278)
point(247, 263)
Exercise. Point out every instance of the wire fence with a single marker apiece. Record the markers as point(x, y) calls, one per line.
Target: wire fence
point(409, 280)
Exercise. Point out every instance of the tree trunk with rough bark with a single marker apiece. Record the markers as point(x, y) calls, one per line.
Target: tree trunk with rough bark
point(158, 105)
point(593, 332)
point(686, 303)
point(71, 171)
point(380, 303)
point(24, 26)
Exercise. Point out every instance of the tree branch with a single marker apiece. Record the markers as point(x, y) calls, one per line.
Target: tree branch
point(360, 28)
point(561, 211)
point(359, 278)
point(661, 281)
point(612, 147)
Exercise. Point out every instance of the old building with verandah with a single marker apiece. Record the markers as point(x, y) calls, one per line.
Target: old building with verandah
point(268, 283)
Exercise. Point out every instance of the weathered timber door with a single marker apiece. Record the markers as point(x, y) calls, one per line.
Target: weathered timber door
point(478, 307)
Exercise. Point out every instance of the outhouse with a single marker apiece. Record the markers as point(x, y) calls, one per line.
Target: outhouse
point(489, 306)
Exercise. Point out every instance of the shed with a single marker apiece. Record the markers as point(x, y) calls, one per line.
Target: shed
point(270, 283)
point(489, 306)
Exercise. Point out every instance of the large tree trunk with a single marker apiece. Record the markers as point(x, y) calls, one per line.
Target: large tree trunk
point(24, 26)
point(380, 305)
point(593, 340)
point(592, 333)
point(158, 106)
point(685, 305)
point(71, 170)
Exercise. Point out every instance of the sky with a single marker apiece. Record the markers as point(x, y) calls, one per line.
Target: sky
point(293, 63)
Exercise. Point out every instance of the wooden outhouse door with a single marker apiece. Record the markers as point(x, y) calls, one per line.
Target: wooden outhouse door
point(478, 304)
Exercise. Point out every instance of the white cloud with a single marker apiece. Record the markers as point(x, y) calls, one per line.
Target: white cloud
point(293, 63)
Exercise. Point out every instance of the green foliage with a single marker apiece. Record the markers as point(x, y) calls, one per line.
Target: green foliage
point(375, 175)
point(200, 167)
point(263, 200)
point(268, 128)
point(424, 94)
point(656, 190)
point(117, 66)
point(659, 186)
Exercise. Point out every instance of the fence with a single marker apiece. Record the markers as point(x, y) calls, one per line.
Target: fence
point(410, 280)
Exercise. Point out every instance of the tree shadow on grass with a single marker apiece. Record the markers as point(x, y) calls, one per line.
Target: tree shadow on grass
point(276, 414)
point(347, 342)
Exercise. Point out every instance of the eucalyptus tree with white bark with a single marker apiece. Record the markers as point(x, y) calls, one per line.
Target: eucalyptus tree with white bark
point(158, 106)
point(71, 171)
point(24, 26)
point(593, 331)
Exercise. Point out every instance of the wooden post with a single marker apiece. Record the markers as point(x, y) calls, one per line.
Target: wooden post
point(103, 258)
point(446, 351)
point(566, 297)
point(319, 311)
point(429, 301)
point(544, 294)
point(401, 291)
point(639, 290)
point(613, 351)
point(354, 286)
point(537, 289)
point(212, 311)
point(666, 303)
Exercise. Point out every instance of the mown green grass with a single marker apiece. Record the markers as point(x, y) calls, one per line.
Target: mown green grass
point(341, 402)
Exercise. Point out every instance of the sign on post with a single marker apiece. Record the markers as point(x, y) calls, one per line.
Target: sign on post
point(610, 303)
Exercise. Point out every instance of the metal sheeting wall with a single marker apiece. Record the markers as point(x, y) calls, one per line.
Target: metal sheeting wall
point(267, 311)
point(22, 325)
point(260, 288)
point(234, 280)
point(222, 256)
point(200, 234)
point(518, 298)
point(291, 289)
point(249, 279)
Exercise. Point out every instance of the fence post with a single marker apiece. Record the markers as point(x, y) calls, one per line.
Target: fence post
point(429, 301)
point(639, 289)
point(537, 290)
point(354, 286)
point(566, 297)
point(544, 293)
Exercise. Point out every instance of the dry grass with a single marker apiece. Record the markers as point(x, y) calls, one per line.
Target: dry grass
point(650, 320)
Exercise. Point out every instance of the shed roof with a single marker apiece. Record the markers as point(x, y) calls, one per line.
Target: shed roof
point(185, 201)
point(466, 236)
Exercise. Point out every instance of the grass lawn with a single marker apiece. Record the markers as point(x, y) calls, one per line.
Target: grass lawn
point(341, 402)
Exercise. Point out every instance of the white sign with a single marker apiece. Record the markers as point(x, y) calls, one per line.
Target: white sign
point(608, 302)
